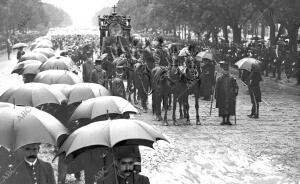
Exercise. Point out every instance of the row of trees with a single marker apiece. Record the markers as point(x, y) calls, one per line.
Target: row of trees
point(23, 15)
point(209, 17)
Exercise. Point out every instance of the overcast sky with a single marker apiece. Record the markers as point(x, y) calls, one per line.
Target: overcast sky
point(82, 11)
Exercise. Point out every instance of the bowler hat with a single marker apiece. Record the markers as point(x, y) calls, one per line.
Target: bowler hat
point(124, 152)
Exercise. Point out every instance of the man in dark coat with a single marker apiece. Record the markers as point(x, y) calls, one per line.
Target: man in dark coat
point(207, 79)
point(125, 156)
point(20, 53)
point(31, 170)
point(160, 55)
point(254, 90)
point(99, 75)
point(225, 94)
point(8, 160)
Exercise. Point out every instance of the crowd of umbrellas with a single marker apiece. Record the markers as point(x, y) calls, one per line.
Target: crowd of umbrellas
point(23, 120)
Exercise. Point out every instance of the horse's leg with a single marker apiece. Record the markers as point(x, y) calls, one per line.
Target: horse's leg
point(187, 107)
point(153, 98)
point(170, 100)
point(158, 107)
point(197, 109)
point(166, 109)
point(180, 110)
point(174, 108)
point(144, 98)
point(134, 95)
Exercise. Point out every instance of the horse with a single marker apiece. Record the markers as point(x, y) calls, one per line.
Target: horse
point(141, 82)
point(161, 85)
point(193, 76)
point(180, 82)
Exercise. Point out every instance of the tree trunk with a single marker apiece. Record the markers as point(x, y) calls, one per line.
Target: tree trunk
point(215, 36)
point(207, 36)
point(174, 31)
point(262, 33)
point(236, 33)
point(184, 34)
point(225, 33)
point(293, 34)
point(272, 34)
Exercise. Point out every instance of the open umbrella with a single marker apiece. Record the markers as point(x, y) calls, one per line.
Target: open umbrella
point(20, 126)
point(184, 52)
point(20, 66)
point(4, 104)
point(44, 45)
point(19, 45)
point(32, 94)
point(48, 52)
point(31, 68)
point(33, 56)
point(110, 133)
point(64, 88)
point(57, 77)
point(85, 91)
point(205, 55)
point(99, 106)
point(56, 63)
point(247, 63)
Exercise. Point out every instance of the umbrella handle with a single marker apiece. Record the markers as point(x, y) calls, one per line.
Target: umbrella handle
point(114, 165)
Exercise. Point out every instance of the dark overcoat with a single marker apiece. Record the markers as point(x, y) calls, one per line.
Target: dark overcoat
point(41, 172)
point(225, 94)
point(207, 79)
point(254, 87)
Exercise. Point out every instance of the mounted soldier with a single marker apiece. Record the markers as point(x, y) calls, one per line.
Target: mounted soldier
point(160, 55)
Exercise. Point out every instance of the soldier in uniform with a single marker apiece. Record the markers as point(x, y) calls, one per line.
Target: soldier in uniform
point(160, 55)
point(254, 90)
point(99, 75)
point(31, 169)
point(225, 94)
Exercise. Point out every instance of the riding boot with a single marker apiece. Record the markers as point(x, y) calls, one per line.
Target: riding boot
point(256, 115)
point(252, 111)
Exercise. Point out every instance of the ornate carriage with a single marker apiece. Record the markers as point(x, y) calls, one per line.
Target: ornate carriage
point(114, 31)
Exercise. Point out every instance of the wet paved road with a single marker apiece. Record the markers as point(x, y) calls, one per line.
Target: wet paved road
point(265, 150)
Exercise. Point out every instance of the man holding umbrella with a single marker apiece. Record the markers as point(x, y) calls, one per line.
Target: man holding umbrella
point(225, 94)
point(125, 159)
point(20, 53)
point(31, 169)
